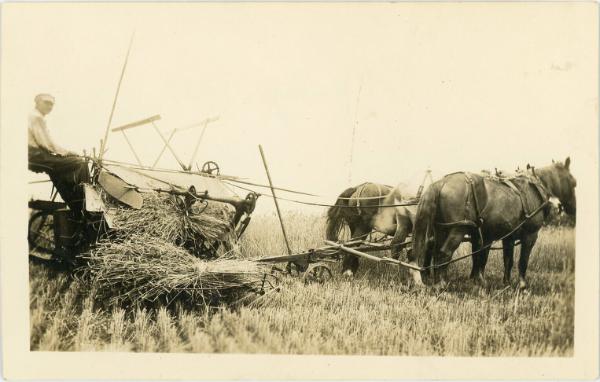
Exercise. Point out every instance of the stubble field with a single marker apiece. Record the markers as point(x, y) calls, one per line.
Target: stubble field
point(375, 313)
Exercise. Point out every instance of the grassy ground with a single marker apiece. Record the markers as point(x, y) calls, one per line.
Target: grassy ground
point(375, 313)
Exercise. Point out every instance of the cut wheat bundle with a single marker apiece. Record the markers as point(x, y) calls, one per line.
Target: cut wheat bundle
point(142, 269)
point(166, 217)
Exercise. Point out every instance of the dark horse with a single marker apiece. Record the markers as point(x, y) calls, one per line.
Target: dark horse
point(487, 209)
point(360, 208)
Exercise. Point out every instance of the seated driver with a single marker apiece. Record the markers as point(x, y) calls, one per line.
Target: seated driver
point(65, 168)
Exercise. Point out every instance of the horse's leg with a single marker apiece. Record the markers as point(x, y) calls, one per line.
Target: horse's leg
point(475, 246)
point(453, 239)
point(527, 243)
point(483, 258)
point(481, 263)
point(350, 263)
point(417, 275)
point(402, 228)
point(429, 273)
point(508, 247)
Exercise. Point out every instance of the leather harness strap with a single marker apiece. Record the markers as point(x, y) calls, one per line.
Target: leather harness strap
point(358, 198)
point(539, 187)
point(360, 192)
point(542, 191)
point(478, 218)
point(513, 187)
point(477, 223)
point(380, 193)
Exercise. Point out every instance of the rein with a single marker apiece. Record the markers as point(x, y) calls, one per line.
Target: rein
point(527, 218)
point(412, 202)
point(544, 195)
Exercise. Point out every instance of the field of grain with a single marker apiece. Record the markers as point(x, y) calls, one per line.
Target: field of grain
point(374, 313)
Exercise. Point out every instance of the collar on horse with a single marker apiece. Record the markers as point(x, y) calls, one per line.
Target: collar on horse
point(532, 179)
point(543, 192)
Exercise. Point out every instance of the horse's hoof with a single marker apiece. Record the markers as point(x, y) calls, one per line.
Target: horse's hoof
point(522, 285)
point(482, 283)
point(440, 286)
point(418, 285)
point(483, 290)
point(348, 273)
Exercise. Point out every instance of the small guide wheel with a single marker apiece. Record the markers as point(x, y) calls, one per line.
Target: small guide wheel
point(211, 168)
point(317, 273)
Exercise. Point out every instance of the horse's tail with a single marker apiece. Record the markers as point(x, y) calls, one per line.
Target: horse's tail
point(337, 214)
point(424, 223)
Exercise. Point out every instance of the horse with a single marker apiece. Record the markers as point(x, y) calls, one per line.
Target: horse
point(487, 210)
point(360, 208)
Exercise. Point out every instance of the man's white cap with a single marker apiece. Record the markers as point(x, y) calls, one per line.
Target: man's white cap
point(44, 97)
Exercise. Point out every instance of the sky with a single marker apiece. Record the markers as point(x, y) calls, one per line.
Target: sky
point(337, 94)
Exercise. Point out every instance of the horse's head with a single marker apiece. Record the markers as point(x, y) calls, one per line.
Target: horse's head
point(562, 184)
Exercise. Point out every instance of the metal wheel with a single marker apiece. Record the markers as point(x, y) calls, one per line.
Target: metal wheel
point(41, 234)
point(318, 273)
point(211, 168)
point(295, 269)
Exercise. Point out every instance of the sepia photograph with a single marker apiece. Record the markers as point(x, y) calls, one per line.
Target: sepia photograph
point(355, 190)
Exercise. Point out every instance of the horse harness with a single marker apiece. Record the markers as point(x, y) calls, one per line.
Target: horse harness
point(538, 186)
point(359, 196)
point(478, 222)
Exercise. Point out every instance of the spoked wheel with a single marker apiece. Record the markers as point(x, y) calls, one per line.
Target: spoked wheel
point(41, 235)
point(295, 269)
point(211, 168)
point(317, 273)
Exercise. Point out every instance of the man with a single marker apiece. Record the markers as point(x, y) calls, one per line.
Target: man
point(66, 170)
point(39, 137)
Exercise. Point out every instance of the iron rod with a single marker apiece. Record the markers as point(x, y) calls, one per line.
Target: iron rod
point(137, 123)
point(422, 186)
point(264, 160)
point(112, 110)
point(198, 143)
point(205, 123)
point(131, 147)
point(169, 147)
point(374, 258)
point(163, 149)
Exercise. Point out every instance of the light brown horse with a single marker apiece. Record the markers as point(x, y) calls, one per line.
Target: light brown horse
point(487, 209)
point(361, 209)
